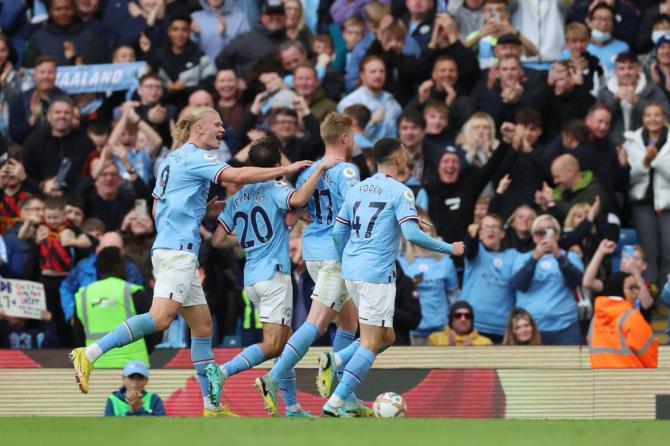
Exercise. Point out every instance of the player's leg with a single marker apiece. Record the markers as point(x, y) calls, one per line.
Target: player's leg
point(163, 311)
point(328, 291)
point(347, 325)
point(376, 305)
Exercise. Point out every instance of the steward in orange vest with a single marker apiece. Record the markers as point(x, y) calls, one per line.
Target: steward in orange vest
point(619, 336)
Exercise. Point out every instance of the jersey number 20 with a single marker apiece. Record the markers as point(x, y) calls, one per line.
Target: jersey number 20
point(253, 217)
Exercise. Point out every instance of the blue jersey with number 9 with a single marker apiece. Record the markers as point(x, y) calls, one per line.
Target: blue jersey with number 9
point(181, 191)
point(323, 208)
point(256, 214)
point(374, 210)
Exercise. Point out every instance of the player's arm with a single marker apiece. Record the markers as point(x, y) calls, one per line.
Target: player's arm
point(413, 234)
point(301, 196)
point(221, 239)
point(341, 234)
point(249, 175)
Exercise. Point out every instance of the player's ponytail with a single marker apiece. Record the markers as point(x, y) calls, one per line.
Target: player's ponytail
point(182, 130)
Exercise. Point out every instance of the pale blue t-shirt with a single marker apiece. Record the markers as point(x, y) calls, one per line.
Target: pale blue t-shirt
point(256, 214)
point(374, 210)
point(323, 208)
point(184, 177)
point(487, 287)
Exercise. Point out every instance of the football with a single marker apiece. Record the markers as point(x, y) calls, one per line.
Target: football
point(389, 405)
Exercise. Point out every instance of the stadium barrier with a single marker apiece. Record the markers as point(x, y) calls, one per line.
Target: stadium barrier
point(484, 382)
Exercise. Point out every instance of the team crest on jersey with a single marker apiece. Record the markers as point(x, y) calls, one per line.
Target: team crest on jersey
point(423, 267)
point(546, 265)
point(348, 172)
point(210, 157)
point(497, 263)
point(409, 195)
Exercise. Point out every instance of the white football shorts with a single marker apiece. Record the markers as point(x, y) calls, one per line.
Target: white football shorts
point(329, 286)
point(375, 302)
point(273, 299)
point(176, 274)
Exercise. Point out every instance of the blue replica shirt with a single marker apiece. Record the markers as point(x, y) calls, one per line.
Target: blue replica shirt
point(141, 161)
point(438, 276)
point(374, 210)
point(323, 208)
point(487, 287)
point(548, 299)
point(184, 177)
point(256, 214)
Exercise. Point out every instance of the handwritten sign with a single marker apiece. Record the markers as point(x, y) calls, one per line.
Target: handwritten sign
point(22, 298)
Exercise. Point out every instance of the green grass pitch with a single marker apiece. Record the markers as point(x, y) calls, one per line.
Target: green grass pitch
point(324, 432)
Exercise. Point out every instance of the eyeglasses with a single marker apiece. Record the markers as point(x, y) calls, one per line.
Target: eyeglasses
point(541, 232)
point(466, 316)
point(633, 288)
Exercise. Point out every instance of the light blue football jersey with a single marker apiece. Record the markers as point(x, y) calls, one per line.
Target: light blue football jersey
point(181, 191)
point(256, 214)
point(323, 207)
point(374, 210)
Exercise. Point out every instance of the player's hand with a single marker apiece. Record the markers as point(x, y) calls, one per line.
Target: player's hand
point(457, 249)
point(215, 207)
point(297, 167)
point(329, 161)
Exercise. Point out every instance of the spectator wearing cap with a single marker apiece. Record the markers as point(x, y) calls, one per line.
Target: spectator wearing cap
point(132, 399)
point(603, 45)
point(496, 24)
point(544, 280)
point(377, 18)
point(218, 23)
point(247, 48)
point(46, 147)
point(460, 330)
point(445, 43)
point(28, 109)
point(659, 71)
point(383, 106)
point(180, 61)
point(64, 37)
point(452, 196)
point(627, 93)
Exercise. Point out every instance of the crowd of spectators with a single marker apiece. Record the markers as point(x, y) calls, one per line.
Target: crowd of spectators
point(538, 132)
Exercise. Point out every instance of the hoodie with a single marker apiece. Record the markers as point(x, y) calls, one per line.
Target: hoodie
point(210, 41)
point(49, 40)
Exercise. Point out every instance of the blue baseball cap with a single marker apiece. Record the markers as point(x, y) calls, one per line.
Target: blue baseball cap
point(136, 366)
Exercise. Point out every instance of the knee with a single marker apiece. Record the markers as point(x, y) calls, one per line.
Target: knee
point(389, 339)
point(162, 320)
point(203, 330)
point(272, 345)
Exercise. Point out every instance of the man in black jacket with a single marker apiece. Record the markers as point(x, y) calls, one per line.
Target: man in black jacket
point(47, 147)
point(407, 315)
point(244, 50)
point(453, 195)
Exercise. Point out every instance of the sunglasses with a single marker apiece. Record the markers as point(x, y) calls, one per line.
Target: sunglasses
point(541, 232)
point(466, 316)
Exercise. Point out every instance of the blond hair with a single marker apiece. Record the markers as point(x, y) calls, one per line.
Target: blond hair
point(334, 126)
point(375, 11)
point(466, 140)
point(546, 217)
point(569, 223)
point(577, 31)
point(182, 130)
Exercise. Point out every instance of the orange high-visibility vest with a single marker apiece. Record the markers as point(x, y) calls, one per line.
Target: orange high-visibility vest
point(619, 336)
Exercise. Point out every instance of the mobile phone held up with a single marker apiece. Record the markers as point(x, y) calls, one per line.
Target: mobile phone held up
point(63, 170)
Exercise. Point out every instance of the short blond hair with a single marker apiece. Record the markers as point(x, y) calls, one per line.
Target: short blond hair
point(576, 30)
point(546, 217)
point(375, 11)
point(182, 130)
point(334, 126)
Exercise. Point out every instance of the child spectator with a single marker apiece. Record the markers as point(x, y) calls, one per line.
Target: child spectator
point(577, 39)
point(518, 226)
point(521, 329)
point(124, 138)
point(26, 334)
point(93, 227)
point(16, 187)
point(58, 241)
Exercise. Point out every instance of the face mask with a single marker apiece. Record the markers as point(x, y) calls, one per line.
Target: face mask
point(656, 36)
point(600, 36)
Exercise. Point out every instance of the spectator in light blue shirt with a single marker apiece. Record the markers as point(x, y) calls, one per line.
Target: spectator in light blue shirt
point(488, 271)
point(383, 106)
point(603, 45)
point(545, 279)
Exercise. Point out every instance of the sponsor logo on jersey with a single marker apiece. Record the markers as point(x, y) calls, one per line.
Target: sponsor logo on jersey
point(210, 157)
point(348, 172)
point(409, 195)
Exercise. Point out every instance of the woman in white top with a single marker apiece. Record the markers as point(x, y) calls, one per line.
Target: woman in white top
point(648, 150)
